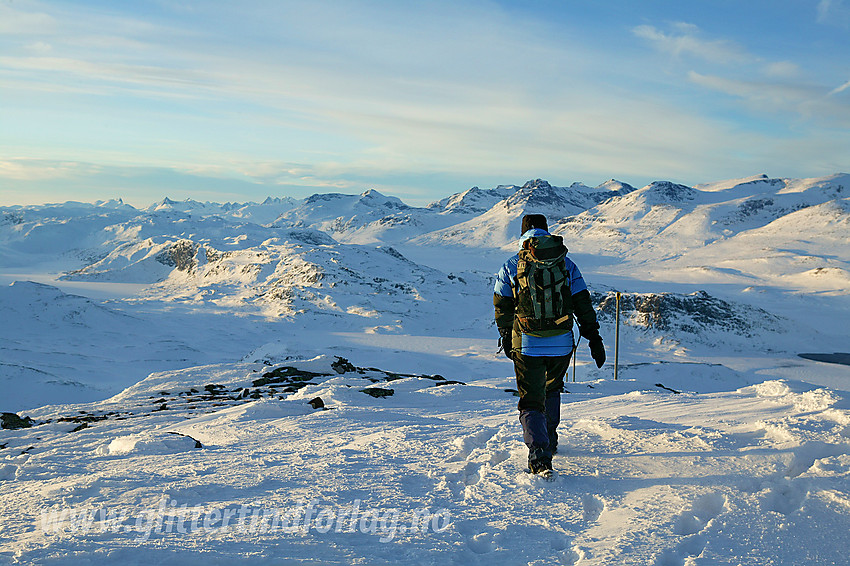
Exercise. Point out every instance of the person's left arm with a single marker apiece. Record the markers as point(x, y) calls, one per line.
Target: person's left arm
point(503, 301)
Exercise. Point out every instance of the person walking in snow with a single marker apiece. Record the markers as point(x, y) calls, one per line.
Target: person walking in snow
point(538, 293)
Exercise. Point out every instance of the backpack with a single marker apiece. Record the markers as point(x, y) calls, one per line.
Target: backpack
point(544, 305)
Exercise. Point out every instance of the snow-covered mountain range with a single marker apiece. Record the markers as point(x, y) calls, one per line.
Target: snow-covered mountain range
point(132, 337)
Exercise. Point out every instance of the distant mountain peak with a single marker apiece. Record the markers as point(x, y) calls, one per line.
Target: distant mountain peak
point(537, 184)
point(616, 186)
point(274, 200)
point(672, 192)
point(323, 197)
point(372, 193)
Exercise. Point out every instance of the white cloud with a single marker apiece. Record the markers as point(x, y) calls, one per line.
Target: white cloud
point(810, 102)
point(24, 22)
point(833, 12)
point(840, 89)
point(782, 69)
point(25, 169)
point(39, 47)
point(343, 94)
point(689, 41)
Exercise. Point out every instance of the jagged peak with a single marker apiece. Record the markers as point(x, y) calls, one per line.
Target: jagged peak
point(537, 184)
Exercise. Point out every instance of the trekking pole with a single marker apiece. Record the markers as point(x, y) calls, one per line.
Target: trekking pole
point(574, 362)
point(575, 349)
point(617, 337)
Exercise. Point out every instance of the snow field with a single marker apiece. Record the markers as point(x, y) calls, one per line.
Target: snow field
point(645, 475)
point(716, 446)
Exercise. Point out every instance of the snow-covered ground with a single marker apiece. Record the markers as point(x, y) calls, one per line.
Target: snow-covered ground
point(168, 357)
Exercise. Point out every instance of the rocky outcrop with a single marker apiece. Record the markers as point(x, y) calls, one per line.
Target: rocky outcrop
point(12, 421)
point(695, 313)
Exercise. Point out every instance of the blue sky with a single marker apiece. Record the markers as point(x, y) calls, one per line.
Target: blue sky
point(233, 101)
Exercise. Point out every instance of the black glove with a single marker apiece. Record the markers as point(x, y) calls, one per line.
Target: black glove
point(505, 341)
point(597, 350)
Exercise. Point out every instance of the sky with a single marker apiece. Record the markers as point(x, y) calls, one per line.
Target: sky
point(235, 101)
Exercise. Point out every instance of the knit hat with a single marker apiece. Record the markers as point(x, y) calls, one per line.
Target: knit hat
point(530, 221)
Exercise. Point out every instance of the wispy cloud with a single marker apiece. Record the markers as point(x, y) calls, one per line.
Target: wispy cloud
point(840, 89)
point(765, 86)
point(27, 169)
point(688, 40)
point(327, 94)
point(805, 101)
point(833, 12)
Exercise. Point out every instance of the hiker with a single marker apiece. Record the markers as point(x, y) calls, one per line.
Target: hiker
point(537, 294)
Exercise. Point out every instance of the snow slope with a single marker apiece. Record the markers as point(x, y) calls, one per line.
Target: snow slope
point(785, 233)
point(172, 420)
point(740, 471)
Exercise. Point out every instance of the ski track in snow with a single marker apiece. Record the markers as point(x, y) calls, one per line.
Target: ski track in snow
point(717, 446)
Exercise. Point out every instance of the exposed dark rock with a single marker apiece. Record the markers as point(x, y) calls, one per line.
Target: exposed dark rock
point(197, 442)
point(341, 365)
point(393, 252)
point(378, 392)
point(180, 255)
point(672, 192)
point(692, 313)
point(449, 382)
point(83, 419)
point(316, 403)
point(435, 377)
point(12, 421)
point(287, 374)
point(80, 427)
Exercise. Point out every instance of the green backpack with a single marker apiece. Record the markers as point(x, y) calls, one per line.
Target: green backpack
point(544, 304)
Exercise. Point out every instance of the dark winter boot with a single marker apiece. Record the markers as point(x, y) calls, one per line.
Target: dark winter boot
point(539, 460)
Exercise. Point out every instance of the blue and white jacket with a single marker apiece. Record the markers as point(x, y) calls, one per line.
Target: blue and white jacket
point(505, 281)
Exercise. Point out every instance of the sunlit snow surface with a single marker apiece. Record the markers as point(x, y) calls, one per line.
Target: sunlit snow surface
point(129, 337)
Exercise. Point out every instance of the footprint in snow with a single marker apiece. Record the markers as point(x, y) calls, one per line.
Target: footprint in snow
point(691, 524)
point(701, 512)
point(482, 543)
point(811, 453)
point(784, 497)
point(499, 456)
point(471, 473)
point(469, 443)
point(571, 556)
point(592, 507)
